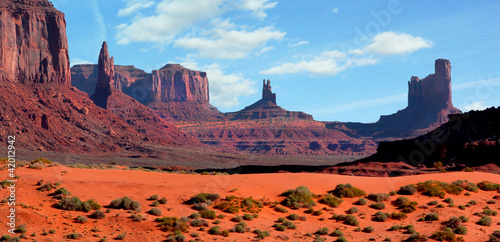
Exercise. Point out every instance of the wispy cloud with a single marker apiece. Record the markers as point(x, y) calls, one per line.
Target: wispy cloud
point(391, 43)
point(474, 106)
point(299, 43)
point(335, 10)
point(361, 104)
point(78, 61)
point(133, 6)
point(257, 7)
point(481, 83)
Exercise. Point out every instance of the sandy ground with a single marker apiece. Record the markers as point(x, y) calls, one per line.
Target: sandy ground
point(35, 209)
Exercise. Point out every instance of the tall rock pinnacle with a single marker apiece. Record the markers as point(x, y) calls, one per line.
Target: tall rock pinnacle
point(267, 94)
point(33, 43)
point(433, 90)
point(105, 77)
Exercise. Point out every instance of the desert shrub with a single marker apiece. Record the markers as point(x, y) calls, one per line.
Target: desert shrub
point(491, 201)
point(398, 216)
point(460, 230)
point(407, 190)
point(378, 206)
point(471, 203)
point(280, 227)
point(209, 214)
point(347, 190)
point(393, 193)
point(488, 186)
point(400, 201)
point(461, 207)
point(379, 197)
point(431, 203)
point(341, 239)
point(489, 212)
point(464, 219)
point(247, 217)
point(469, 186)
point(408, 207)
point(154, 211)
point(98, 214)
point(380, 216)
point(154, 197)
point(203, 198)
point(323, 231)
point(337, 233)
point(352, 210)
point(163, 200)
point(317, 213)
point(74, 236)
point(495, 236)
point(338, 217)
point(73, 204)
point(199, 223)
point(125, 203)
point(300, 197)
point(215, 230)
point(237, 219)
point(485, 221)
point(362, 201)
point(194, 216)
point(155, 204)
point(416, 237)
point(200, 206)
point(293, 216)
point(261, 234)
point(431, 217)
point(81, 219)
point(448, 200)
point(280, 209)
point(468, 169)
point(351, 220)
point(368, 229)
point(172, 224)
point(302, 218)
point(138, 218)
point(395, 228)
point(289, 224)
point(61, 191)
point(331, 201)
point(444, 235)
point(121, 236)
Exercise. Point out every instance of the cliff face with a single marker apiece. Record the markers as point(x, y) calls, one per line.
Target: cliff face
point(434, 90)
point(33, 43)
point(173, 92)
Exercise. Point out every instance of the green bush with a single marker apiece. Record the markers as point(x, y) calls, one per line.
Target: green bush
point(74, 236)
point(61, 191)
point(347, 190)
point(209, 214)
point(121, 236)
point(73, 204)
point(395, 228)
point(163, 201)
point(461, 207)
point(362, 201)
point(172, 224)
point(323, 231)
point(289, 224)
point(331, 201)
point(299, 197)
point(400, 201)
point(379, 197)
point(380, 216)
point(280, 227)
point(368, 229)
point(445, 235)
point(154, 197)
point(81, 219)
point(351, 220)
point(215, 230)
point(341, 239)
point(261, 234)
point(448, 200)
point(488, 186)
point(247, 217)
point(495, 236)
point(398, 216)
point(199, 223)
point(485, 221)
point(416, 237)
point(154, 212)
point(407, 190)
point(460, 230)
point(293, 216)
point(378, 206)
point(431, 203)
point(337, 233)
point(469, 186)
point(431, 217)
point(489, 212)
point(203, 198)
point(280, 209)
point(125, 203)
point(352, 210)
point(98, 214)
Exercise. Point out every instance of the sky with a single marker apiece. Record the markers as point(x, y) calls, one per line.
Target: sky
point(337, 60)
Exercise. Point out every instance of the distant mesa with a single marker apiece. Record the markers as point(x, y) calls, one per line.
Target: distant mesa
point(429, 105)
point(266, 108)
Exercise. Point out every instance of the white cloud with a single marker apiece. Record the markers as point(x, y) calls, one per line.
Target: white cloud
point(228, 43)
point(329, 63)
point(474, 106)
point(257, 7)
point(133, 6)
point(335, 10)
point(299, 43)
point(78, 61)
point(391, 43)
point(225, 89)
point(387, 43)
point(175, 17)
point(477, 84)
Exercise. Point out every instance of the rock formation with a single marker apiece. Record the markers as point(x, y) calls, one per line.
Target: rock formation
point(173, 92)
point(33, 43)
point(266, 108)
point(105, 78)
point(429, 105)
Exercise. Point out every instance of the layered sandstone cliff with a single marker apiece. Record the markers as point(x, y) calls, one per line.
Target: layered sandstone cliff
point(33, 43)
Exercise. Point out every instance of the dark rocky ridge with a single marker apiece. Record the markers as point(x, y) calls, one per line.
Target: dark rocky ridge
point(33, 43)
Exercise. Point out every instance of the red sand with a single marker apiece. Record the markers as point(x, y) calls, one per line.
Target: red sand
point(106, 185)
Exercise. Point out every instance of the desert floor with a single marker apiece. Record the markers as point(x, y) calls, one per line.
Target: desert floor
point(35, 208)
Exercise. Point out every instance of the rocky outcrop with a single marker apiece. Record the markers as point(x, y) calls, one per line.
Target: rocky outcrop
point(173, 92)
point(33, 43)
point(429, 105)
point(471, 139)
point(266, 108)
point(105, 78)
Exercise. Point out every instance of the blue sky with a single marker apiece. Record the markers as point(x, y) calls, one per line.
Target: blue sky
point(337, 60)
